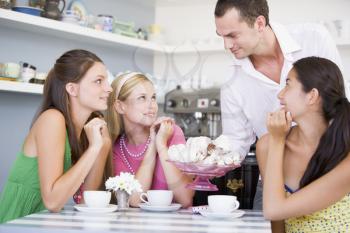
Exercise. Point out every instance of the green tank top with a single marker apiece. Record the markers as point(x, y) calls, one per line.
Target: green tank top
point(21, 195)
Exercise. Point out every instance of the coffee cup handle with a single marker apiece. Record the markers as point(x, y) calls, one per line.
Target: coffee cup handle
point(142, 197)
point(236, 205)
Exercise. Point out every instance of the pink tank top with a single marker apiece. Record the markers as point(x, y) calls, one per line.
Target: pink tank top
point(159, 181)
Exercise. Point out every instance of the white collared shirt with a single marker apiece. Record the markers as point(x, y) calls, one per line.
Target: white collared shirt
point(249, 95)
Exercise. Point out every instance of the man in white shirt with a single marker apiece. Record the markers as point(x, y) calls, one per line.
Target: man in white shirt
point(263, 55)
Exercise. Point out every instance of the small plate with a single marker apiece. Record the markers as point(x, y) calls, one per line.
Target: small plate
point(172, 207)
point(210, 214)
point(79, 8)
point(84, 208)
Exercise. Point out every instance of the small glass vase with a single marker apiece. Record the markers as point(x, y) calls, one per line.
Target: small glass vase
point(122, 199)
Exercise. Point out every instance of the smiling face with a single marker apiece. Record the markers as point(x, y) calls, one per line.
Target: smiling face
point(239, 37)
point(93, 89)
point(140, 107)
point(292, 97)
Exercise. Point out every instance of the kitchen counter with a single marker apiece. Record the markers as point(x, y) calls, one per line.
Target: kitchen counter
point(135, 220)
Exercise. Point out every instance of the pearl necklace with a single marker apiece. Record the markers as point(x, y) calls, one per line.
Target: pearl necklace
point(125, 160)
point(123, 157)
point(122, 144)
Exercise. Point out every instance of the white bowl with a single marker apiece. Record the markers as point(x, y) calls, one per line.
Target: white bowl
point(97, 199)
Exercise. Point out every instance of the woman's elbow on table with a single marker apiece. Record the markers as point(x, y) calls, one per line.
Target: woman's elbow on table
point(53, 206)
point(187, 203)
point(272, 213)
point(185, 200)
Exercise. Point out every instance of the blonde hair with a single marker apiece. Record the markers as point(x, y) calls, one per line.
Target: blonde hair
point(113, 118)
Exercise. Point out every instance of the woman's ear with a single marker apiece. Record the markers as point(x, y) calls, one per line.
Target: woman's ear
point(72, 89)
point(313, 96)
point(119, 107)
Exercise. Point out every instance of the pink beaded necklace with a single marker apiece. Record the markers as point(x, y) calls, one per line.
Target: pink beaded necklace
point(122, 146)
point(122, 143)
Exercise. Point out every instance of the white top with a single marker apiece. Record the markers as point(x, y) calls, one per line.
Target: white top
point(249, 95)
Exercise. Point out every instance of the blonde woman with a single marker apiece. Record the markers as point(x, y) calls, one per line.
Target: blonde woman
point(141, 139)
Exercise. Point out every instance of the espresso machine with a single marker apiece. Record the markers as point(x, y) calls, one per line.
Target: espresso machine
point(198, 113)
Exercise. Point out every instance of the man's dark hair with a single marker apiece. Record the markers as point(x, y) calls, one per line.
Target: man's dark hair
point(249, 10)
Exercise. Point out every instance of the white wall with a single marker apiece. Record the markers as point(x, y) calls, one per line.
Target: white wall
point(194, 23)
point(41, 50)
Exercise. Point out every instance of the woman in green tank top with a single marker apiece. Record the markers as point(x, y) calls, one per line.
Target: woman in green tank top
point(68, 143)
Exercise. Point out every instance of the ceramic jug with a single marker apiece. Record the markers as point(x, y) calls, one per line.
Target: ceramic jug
point(51, 9)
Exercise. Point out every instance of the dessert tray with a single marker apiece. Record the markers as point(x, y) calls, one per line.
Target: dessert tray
point(203, 173)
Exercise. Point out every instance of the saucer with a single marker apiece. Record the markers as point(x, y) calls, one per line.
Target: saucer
point(172, 207)
point(85, 208)
point(210, 214)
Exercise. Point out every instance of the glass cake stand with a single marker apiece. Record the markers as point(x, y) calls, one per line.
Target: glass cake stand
point(203, 173)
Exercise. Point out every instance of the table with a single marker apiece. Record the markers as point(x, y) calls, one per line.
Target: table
point(135, 220)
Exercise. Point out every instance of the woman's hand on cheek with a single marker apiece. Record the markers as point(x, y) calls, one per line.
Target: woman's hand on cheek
point(279, 123)
point(164, 133)
point(156, 125)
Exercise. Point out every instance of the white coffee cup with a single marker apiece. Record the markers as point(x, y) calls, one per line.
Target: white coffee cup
point(97, 199)
point(157, 197)
point(222, 203)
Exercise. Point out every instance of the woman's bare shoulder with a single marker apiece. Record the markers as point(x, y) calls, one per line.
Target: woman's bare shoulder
point(50, 115)
point(51, 121)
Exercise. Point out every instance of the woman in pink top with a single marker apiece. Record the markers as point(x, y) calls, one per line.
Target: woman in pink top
point(141, 140)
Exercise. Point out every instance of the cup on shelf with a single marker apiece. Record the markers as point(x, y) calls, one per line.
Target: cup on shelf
point(97, 199)
point(222, 203)
point(70, 16)
point(5, 4)
point(39, 78)
point(105, 23)
point(157, 197)
point(9, 70)
point(27, 72)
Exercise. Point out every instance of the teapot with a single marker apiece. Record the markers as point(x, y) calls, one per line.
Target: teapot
point(51, 9)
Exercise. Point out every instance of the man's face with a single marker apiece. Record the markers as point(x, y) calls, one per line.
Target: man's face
point(241, 39)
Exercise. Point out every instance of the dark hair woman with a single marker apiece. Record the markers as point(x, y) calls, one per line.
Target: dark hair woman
point(305, 168)
point(67, 144)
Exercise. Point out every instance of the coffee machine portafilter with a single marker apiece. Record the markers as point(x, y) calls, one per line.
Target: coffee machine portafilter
point(197, 112)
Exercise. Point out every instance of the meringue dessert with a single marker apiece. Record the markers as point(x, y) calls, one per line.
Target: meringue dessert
point(205, 151)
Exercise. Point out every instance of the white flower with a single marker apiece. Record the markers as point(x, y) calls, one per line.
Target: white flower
point(125, 181)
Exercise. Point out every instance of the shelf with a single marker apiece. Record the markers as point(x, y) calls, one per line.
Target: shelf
point(12, 86)
point(60, 29)
point(55, 28)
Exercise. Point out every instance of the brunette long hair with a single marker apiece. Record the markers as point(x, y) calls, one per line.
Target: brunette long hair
point(325, 76)
point(69, 68)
